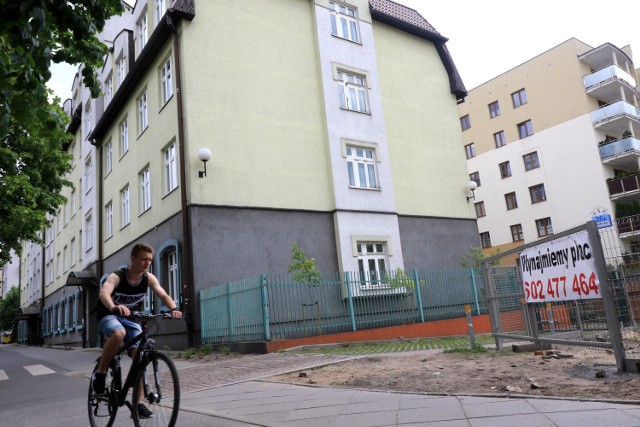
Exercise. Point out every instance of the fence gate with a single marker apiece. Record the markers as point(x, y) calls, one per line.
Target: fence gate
point(555, 291)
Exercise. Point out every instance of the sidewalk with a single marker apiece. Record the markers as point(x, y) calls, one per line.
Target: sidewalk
point(240, 390)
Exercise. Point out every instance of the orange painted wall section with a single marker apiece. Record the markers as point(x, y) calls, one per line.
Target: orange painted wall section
point(438, 328)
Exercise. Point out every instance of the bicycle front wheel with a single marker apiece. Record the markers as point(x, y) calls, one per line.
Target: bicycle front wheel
point(157, 388)
point(103, 408)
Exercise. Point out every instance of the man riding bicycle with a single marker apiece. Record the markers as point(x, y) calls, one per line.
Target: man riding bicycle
point(122, 292)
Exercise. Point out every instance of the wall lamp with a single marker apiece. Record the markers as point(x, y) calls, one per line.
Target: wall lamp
point(472, 186)
point(204, 154)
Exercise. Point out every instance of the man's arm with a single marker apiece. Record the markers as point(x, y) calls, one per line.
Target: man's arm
point(166, 299)
point(109, 285)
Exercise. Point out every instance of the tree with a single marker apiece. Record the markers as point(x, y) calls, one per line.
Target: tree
point(8, 309)
point(303, 267)
point(474, 257)
point(32, 128)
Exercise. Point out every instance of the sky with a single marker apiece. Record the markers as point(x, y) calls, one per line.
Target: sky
point(488, 38)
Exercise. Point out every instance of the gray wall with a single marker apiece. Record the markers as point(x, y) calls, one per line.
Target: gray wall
point(436, 242)
point(235, 243)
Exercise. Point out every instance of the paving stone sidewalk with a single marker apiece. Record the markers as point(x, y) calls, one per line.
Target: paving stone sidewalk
point(196, 376)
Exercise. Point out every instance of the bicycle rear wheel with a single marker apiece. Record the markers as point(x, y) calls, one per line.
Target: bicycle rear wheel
point(103, 408)
point(160, 392)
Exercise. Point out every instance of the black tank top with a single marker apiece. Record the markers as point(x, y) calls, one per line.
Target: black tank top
point(126, 294)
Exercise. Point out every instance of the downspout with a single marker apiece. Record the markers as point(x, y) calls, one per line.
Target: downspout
point(186, 219)
point(99, 264)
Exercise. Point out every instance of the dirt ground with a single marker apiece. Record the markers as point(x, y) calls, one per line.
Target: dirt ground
point(568, 372)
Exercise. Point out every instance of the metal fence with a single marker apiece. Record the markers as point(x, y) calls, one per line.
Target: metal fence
point(277, 307)
point(577, 322)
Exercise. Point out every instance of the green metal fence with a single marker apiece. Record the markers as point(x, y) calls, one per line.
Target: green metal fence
point(276, 307)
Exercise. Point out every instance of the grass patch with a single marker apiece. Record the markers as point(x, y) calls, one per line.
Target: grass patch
point(477, 349)
point(200, 352)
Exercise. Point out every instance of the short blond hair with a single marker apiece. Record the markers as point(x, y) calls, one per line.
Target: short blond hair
point(141, 247)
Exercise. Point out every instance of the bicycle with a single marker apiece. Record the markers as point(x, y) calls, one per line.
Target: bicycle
point(150, 369)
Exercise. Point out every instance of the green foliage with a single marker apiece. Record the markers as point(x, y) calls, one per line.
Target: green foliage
point(303, 267)
point(33, 34)
point(477, 349)
point(627, 209)
point(398, 279)
point(473, 258)
point(8, 309)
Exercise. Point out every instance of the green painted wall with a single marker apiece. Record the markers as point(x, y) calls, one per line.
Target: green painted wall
point(421, 121)
point(253, 96)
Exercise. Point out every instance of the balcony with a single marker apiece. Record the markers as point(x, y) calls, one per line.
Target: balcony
point(615, 118)
point(622, 153)
point(624, 187)
point(610, 83)
point(628, 226)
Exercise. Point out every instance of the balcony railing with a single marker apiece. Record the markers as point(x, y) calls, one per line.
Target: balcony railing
point(619, 148)
point(619, 187)
point(612, 72)
point(629, 225)
point(615, 110)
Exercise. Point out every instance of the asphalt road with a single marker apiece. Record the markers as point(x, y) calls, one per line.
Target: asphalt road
point(45, 387)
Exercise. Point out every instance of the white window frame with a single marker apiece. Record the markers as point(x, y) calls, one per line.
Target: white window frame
point(166, 81)
point(362, 167)
point(73, 251)
point(143, 112)
point(121, 67)
point(88, 232)
point(108, 216)
point(373, 263)
point(352, 89)
point(170, 156)
point(88, 174)
point(124, 137)
point(160, 6)
point(125, 204)
point(145, 190)
point(108, 157)
point(142, 27)
point(344, 22)
point(173, 277)
point(108, 89)
point(65, 259)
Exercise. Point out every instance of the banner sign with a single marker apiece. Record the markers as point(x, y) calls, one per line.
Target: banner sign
point(561, 270)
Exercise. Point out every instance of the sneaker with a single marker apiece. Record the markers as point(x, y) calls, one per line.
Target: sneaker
point(144, 412)
point(98, 383)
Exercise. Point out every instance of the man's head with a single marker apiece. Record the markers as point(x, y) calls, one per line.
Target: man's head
point(141, 256)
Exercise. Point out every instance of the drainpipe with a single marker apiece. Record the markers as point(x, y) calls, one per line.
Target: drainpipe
point(99, 263)
point(186, 219)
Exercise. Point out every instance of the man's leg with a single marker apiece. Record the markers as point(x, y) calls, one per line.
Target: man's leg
point(110, 349)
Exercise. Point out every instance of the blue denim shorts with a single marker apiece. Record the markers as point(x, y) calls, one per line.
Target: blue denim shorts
point(110, 323)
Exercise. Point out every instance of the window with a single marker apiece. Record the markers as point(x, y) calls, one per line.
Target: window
point(124, 137)
point(510, 199)
point(531, 161)
point(470, 150)
point(73, 252)
point(108, 89)
point(544, 227)
point(166, 82)
point(475, 177)
point(505, 169)
point(465, 122)
point(494, 109)
point(65, 259)
point(499, 139)
point(108, 157)
point(537, 193)
point(88, 175)
point(126, 212)
point(72, 199)
point(519, 98)
point(143, 114)
point(361, 165)
point(516, 233)
point(159, 9)
point(108, 217)
point(145, 190)
point(88, 232)
point(344, 22)
point(142, 30)
point(372, 262)
point(121, 67)
point(480, 212)
point(87, 120)
point(172, 281)
point(525, 129)
point(485, 239)
point(170, 168)
point(352, 89)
